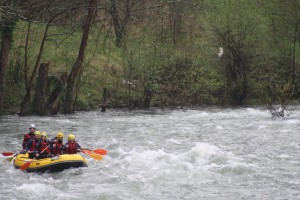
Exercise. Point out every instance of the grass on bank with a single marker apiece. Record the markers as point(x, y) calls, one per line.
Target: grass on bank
point(102, 60)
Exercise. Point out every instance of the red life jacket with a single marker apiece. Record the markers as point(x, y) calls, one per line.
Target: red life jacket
point(72, 149)
point(27, 137)
point(57, 149)
point(44, 145)
point(33, 145)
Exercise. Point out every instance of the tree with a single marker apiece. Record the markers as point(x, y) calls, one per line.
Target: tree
point(74, 75)
point(7, 24)
point(56, 87)
point(39, 100)
point(120, 23)
point(285, 25)
point(26, 106)
point(235, 25)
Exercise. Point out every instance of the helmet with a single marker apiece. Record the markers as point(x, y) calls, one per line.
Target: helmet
point(37, 133)
point(71, 137)
point(60, 135)
point(44, 134)
point(32, 126)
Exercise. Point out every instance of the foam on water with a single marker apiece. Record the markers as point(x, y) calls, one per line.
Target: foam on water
point(173, 154)
point(35, 189)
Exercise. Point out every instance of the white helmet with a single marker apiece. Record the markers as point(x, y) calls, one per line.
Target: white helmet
point(32, 126)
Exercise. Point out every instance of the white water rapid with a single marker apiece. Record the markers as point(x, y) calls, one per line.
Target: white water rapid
point(210, 154)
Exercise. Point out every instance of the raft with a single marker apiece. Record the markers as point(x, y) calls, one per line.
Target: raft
point(54, 164)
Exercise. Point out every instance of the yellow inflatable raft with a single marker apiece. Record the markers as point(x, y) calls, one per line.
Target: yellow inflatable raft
point(54, 164)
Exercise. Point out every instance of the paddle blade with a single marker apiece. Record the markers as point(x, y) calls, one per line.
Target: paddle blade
point(100, 151)
point(7, 153)
point(96, 156)
point(8, 160)
point(25, 166)
point(91, 154)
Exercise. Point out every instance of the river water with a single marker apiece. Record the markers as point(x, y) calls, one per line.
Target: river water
point(191, 154)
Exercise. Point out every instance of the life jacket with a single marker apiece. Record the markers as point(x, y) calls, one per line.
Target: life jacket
point(57, 149)
point(72, 149)
point(27, 137)
point(34, 143)
point(43, 146)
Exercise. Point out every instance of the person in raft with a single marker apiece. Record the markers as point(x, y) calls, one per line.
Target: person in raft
point(56, 144)
point(32, 144)
point(71, 146)
point(28, 136)
point(43, 147)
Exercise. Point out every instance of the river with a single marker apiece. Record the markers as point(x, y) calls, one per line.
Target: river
point(210, 153)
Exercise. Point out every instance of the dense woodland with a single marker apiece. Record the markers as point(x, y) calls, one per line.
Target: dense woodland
point(69, 55)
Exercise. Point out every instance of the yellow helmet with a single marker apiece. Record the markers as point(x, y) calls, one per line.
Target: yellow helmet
point(37, 133)
point(44, 134)
point(71, 137)
point(60, 135)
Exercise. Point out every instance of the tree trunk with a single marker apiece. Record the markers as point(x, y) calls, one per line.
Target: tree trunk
point(147, 98)
point(294, 53)
point(116, 23)
point(105, 100)
point(53, 101)
point(4, 54)
point(39, 101)
point(118, 26)
point(175, 20)
point(237, 79)
point(77, 67)
point(25, 105)
point(26, 55)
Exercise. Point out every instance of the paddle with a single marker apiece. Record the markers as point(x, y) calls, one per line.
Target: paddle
point(100, 151)
point(97, 151)
point(9, 159)
point(7, 153)
point(26, 165)
point(91, 154)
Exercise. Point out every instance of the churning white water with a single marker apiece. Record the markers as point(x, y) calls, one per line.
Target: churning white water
point(165, 154)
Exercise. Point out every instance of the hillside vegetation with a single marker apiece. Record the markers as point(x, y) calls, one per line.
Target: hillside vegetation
point(147, 53)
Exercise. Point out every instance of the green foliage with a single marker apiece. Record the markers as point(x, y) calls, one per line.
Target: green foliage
point(175, 80)
point(8, 18)
point(86, 103)
point(239, 28)
point(172, 51)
